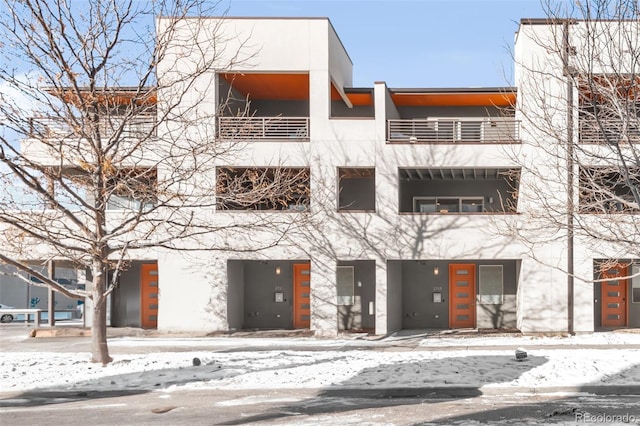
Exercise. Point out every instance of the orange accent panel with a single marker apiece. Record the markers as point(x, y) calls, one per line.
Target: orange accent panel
point(149, 292)
point(301, 295)
point(357, 99)
point(290, 87)
point(454, 99)
point(360, 99)
point(117, 98)
point(335, 96)
point(462, 296)
point(614, 297)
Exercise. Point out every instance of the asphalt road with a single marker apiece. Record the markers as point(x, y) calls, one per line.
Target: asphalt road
point(313, 407)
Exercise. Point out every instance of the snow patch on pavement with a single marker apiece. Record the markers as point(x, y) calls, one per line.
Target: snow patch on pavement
point(328, 369)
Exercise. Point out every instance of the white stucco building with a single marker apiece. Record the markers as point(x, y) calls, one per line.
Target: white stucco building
point(407, 198)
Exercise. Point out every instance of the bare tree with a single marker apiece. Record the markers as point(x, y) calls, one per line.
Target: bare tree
point(103, 154)
point(579, 99)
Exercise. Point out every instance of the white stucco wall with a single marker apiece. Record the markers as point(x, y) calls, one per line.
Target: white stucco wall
point(194, 284)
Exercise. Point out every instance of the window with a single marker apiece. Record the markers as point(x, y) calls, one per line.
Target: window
point(356, 189)
point(606, 190)
point(448, 204)
point(424, 204)
point(491, 285)
point(445, 130)
point(471, 205)
point(635, 283)
point(609, 109)
point(345, 288)
point(133, 189)
point(266, 188)
point(471, 130)
point(117, 202)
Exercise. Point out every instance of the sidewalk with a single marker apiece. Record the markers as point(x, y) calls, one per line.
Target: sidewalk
point(73, 337)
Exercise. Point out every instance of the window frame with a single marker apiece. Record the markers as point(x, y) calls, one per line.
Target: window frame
point(298, 202)
point(436, 199)
point(490, 298)
point(594, 182)
point(345, 298)
point(366, 169)
point(635, 282)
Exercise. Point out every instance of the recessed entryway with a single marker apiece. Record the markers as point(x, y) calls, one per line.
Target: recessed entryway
point(449, 294)
point(356, 291)
point(268, 294)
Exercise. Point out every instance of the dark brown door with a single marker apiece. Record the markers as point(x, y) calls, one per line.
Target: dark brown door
point(462, 296)
point(614, 297)
point(301, 295)
point(149, 295)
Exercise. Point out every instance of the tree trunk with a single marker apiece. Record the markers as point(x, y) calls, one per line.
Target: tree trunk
point(99, 348)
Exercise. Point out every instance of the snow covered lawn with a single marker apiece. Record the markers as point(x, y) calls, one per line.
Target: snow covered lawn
point(269, 369)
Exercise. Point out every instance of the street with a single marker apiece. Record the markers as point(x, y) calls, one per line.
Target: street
point(311, 407)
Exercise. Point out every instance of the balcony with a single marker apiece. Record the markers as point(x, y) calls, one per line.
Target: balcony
point(609, 131)
point(58, 127)
point(447, 130)
point(458, 190)
point(264, 128)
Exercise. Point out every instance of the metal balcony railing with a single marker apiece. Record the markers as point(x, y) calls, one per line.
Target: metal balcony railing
point(609, 131)
point(264, 128)
point(463, 130)
point(57, 127)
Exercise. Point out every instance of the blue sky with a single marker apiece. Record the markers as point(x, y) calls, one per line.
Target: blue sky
point(416, 43)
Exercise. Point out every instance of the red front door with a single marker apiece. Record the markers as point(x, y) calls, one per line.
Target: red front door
point(462, 296)
point(301, 295)
point(149, 295)
point(614, 296)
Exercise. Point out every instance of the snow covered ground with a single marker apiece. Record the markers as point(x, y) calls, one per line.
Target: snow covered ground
point(251, 363)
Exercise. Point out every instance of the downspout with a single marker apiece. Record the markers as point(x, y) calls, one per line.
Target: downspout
point(568, 72)
point(51, 269)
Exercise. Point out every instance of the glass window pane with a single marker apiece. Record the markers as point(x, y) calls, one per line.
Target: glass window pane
point(445, 130)
point(448, 205)
point(357, 189)
point(424, 205)
point(344, 280)
point(470, 130)
point(472, 205)
point(491, 289)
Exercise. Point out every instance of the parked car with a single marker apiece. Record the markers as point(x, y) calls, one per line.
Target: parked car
point(6, 317)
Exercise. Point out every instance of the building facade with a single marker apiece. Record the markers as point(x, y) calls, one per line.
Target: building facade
point(404, 207)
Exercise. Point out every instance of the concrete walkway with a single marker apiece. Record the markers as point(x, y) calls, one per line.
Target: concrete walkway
point(74, 338)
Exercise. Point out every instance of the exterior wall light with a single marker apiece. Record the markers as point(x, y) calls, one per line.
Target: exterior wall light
point(436, 270)
point(277, 270)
